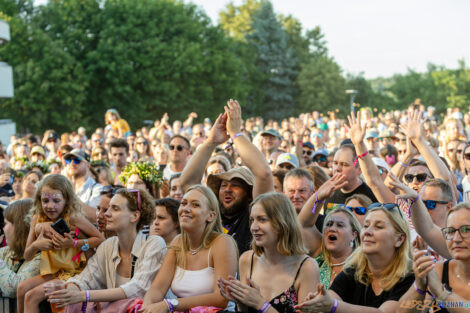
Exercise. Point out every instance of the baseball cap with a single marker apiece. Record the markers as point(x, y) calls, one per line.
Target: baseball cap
point(371, 134)
point(79, 154)
point(320, 152)
point(271, 132)
point(38, 149)
point(287, 158)
point(381, 162)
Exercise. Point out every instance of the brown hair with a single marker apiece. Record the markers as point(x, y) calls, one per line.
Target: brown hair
point(147, 205)
point(283, 218)
point(319, 175)
point(16, 213)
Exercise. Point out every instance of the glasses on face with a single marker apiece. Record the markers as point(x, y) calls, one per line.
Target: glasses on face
point(179, 148)
point(320, 159)
point(74, 160)
point(307, 152)
point(382, 170)
point(431, 204)
point(138, 198)
point(387, 206)
point(467, 156)
point(360, 210)
point(449, 232)
point(141, 143)
point(401, 139)
point(419, 177)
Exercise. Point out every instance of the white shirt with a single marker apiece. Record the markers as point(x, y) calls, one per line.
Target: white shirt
point(100, 272)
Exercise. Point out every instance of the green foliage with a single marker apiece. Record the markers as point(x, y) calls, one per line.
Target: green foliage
point(275, 61)
point(322, 86)
point(237, 21)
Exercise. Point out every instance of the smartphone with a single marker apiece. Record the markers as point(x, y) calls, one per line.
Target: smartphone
point(61, 227)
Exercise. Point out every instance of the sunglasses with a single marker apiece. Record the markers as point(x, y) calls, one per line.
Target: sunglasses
point(179, 148)
point(449, 232)
point(419, 177)
point(387, 206)
point(138, 198)
point(285, 166)
point(360, 210)
point(320, 159)
point(307, 152)
point(381, 171)
point(74, 160)
point(431, 204)
point(467, 156)
point(141, 143)
point(109, 190)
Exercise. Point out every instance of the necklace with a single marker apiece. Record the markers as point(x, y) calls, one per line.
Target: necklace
point(460, 278)
point(338, 264)
point(193, 252)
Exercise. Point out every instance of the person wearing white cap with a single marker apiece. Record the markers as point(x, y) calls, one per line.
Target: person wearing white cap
point(287, 161)
point(382, 166)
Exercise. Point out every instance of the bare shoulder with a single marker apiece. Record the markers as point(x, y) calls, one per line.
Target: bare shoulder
point(308, 266)
point(78, 221)
point(223, 243)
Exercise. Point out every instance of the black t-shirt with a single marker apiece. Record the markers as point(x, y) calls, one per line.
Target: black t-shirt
point(239, 228)
point(340, 197)
point(354, 292)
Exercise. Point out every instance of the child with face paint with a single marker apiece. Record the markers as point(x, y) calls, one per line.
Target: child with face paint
point(62, 256)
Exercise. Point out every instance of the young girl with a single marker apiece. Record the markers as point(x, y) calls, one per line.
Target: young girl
point(61, 256)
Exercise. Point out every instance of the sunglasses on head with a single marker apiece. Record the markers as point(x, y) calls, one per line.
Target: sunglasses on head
point(387, 206)
point(431, 204)
point(419, 177)
point(360, 210)
point(307, 152)
point(74, 160)
point(138, 198)
point(109, 190)
point(179, 148)
point(321, 158)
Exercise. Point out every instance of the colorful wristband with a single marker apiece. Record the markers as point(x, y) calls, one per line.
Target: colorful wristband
point(265, 307)
point(236, 135)
point(421, 292)
point(170, 306)
point(360, 157)
point(314, 209)
point(403, 164)
point(335, 306)
point(411, 204)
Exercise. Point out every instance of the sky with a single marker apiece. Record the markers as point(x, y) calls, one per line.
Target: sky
point(378, 37)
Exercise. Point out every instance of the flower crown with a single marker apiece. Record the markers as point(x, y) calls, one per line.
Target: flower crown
point(147, 171)
point(43, 166)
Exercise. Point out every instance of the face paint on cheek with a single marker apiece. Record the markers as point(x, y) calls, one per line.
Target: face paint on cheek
point(54, 200)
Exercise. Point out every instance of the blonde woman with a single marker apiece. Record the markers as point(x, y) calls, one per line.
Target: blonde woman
point(195, 259)
point(377, 274)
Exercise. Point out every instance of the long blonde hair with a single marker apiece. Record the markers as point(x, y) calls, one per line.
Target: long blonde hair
point(211, 231)
point(284, 220)
point(402, 260)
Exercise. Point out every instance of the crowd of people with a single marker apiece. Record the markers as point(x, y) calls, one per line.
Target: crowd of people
point(310, 214)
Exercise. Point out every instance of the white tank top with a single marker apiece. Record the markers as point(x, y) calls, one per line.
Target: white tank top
point(188, 283)
point(120, 280)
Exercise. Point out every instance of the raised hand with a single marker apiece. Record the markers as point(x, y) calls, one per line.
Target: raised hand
point(422, 265)
point(355, 129)
point(336, 182)
point(218, 132)
point(299, 129)
point(413, 129)
point(234, 117)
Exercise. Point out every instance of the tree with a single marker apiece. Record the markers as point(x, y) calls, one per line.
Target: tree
point(237, 21)
point(322, 86)
point(275, 61)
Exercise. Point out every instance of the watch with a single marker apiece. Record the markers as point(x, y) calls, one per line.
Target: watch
point(174, 303)
point(86, 246)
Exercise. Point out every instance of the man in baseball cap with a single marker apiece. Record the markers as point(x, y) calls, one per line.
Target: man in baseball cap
point(287, 161)
point(271, 141)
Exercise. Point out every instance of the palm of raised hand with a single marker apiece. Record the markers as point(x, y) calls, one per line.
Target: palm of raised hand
point(357, 133)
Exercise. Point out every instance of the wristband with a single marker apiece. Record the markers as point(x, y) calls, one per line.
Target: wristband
point(236, 135)
point(360, 157)
point(335, 306)
point(170, 306)
point(411, 204)
point(403, 164)
point(421, 292)
point(75, 242)
point(300, 142)
point(316, 202)
point(265, 307)
point(87, 299)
